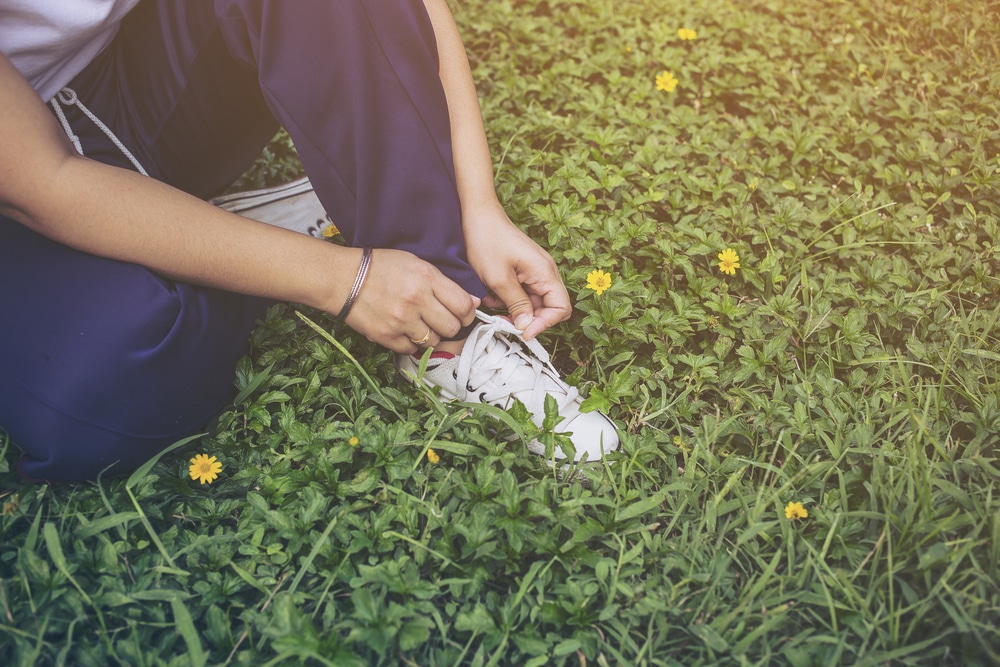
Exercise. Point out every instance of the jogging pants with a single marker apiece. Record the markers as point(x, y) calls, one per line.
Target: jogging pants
point(104, 363)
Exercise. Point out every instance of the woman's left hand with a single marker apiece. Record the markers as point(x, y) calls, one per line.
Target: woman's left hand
point(522, 277)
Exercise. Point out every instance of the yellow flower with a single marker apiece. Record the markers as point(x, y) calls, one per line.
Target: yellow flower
point(353, 441)
point(666, 81)
point(432, 456)
point(598, 281)
point(686, 34)
point(204, 468)
point(11, 505)
point(330, 231)
point(796, 511)
point(729, 261)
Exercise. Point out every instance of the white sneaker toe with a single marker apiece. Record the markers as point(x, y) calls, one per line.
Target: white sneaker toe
point(592, 433)
point(497, 366)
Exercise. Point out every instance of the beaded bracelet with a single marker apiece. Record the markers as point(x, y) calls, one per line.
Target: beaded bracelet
point(366, 260)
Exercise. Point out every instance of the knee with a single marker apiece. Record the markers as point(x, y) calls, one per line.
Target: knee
point(59, 447)
point(115, 403)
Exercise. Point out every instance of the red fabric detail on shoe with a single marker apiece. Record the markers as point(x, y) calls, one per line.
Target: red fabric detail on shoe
point(436, 355)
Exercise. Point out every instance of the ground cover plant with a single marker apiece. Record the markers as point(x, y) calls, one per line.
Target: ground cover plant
point(779, 221)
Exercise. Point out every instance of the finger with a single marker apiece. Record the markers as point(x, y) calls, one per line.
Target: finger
point(400, 345)
point(442, 321)
point(544, 316)
point(516, 300)
point(554, 306)
point(456, 302)
point(493, 302)
point(405, 345)
point(426, 339)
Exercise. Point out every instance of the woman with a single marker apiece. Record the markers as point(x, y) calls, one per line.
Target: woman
point(127, 299)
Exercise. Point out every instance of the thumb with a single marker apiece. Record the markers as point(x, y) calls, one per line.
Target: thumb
point(516, 301)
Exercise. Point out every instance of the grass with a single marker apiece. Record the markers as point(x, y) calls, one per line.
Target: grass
point(850, 154)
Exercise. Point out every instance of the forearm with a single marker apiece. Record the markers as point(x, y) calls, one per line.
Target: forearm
point(522, 277)
point(140, 220)
point(119, 214)
point(473, 166)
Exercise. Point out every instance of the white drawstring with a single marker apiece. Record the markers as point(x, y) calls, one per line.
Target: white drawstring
point(65, 124)
point(68, 97)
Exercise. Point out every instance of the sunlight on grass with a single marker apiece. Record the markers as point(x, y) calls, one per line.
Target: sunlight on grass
point(784, 256)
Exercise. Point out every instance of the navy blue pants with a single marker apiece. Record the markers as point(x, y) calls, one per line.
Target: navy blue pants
point(104, 362)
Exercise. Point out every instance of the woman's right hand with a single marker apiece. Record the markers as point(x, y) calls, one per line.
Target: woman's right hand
point(404, 297)
point(117, 213)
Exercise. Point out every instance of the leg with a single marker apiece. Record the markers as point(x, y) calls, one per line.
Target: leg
point(169, 90)
point(371, 124)
point(107, 362)
point(355, 83)
point(194, 97)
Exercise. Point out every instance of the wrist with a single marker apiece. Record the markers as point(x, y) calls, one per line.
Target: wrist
point(357, 285)
point(482, 213)
point(335, 272)
point(482, 195)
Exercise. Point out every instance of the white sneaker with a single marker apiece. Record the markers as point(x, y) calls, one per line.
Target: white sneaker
point(494, 367)
point(293, 206)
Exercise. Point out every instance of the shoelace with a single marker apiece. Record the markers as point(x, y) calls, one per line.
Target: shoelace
point(490, 347)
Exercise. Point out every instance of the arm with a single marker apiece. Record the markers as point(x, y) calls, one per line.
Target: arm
point(117, 213)
point(521, 274)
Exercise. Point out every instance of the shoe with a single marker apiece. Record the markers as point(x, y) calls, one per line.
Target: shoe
point(293, 206)
point(497, 366)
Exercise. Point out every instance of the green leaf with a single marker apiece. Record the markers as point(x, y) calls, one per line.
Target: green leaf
point(710, 636)
point(161, 595)
point(595, 401)
point(477, 621)
point(567, 646)
point(104, 523)
point(144, 469)
point(185, 626)
point(414, 633)
point(640, 507)
point(252, 386)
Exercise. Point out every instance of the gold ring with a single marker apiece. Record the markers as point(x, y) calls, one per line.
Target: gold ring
point(422, 341)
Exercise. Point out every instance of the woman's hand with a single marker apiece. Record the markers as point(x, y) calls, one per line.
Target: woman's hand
point(404, 299)
point(47, 187)
point(522, 276)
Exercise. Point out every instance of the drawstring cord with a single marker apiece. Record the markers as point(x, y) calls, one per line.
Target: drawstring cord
point(68, 97)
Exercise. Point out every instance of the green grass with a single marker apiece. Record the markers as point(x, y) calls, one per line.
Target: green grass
point(850, 154)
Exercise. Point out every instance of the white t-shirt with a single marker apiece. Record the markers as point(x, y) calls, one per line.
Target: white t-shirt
point(51, 41)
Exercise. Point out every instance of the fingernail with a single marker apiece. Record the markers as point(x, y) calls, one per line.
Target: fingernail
point(522, 321)
point(476, 300)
